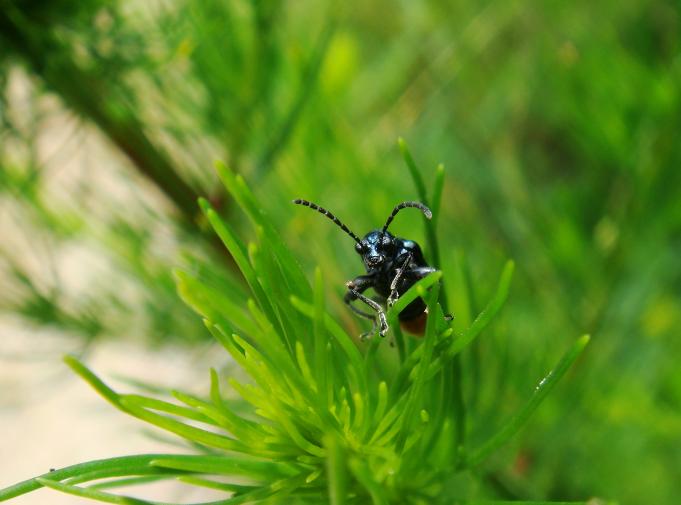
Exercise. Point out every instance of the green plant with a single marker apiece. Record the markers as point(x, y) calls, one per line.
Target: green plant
point(325, 419)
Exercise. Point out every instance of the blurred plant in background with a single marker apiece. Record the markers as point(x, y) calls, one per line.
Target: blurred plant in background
point(558, 125)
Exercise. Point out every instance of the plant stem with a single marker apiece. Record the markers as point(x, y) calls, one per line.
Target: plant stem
point(455, 370)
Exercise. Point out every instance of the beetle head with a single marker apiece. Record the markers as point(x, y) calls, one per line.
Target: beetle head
point(376, 248)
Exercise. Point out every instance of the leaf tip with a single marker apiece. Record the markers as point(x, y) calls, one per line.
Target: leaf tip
point(204, 204)
point(72, 361)
point(509, 266)
point(583, 341)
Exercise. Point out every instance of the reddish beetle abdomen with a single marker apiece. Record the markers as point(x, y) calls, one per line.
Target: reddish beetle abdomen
point(415, 326)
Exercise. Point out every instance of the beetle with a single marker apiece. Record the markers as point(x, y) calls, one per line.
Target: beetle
point(392, 264)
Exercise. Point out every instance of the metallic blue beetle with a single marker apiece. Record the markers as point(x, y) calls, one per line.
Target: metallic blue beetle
point(393, 265)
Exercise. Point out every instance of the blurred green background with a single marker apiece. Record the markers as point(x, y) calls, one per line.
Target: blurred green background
point(558, 124)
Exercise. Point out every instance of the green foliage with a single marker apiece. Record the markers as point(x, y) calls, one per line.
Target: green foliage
point(325, 419)
point(558, 123)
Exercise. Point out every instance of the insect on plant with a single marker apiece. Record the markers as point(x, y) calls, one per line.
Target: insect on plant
point(393, 265)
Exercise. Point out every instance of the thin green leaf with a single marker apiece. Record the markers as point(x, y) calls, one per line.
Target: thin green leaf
point(364, 476)
point(306, 371)
point(540, 392)
point(488, 313)
point(242, 429)
point(93, 380)
point(133, 465)
point(238, 252)
point(220, 486)
point(341, 337)
point(227, 465)
point(184, 430)
point(438, 187)
point(415, 291)
point(93, 494)
point(413, 170)
point(212, 303)
point(415, 400)
point(237, 187)
point(129, 481)
point(320, 340)
point(336, 467)
point(168, 408)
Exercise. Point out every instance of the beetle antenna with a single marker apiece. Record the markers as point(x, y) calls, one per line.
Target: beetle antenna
point(417, 205)
point(328, 214)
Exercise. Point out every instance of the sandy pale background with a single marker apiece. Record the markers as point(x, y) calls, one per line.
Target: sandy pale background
point(50, 418)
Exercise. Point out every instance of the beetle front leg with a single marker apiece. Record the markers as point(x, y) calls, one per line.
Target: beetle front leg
point(414, 274)
point(358, 284)
point(382, 320)
point(355, 289)
point(394, 295)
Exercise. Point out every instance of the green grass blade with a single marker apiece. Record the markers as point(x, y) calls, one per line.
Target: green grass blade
point(462, 340)
point(413, 170)
point(540, 392)
point(279, 363)
point(220, 486)
point(238, 252)
point(341, 338)
point(321, 356)
point(288, 323)
point(212, 303)
point(433, 249)
point(228, 465)
point(129, 481)
point(237, 187)
point(415, 400)
point(487, 314)
point(168, 408)
point(306, 371)
point(133, 465)
point(417, 290)
point(107, 473)
point(438, 188)
point(94, 381)
point(93, 494)
point(223, 417)
point(336, 467)
point(186, 431)
point(381, 403)
point(363, 475)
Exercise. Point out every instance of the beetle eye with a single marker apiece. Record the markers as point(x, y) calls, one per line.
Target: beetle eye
point(359, 248)
point(386, 242)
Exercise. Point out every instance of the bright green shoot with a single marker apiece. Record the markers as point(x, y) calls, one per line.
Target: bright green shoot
point(324, 423)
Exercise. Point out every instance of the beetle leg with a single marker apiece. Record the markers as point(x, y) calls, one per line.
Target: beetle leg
point(413, 274)
point(382, 320)
point(359, 284)
point(355, 289)
point(394, 295)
